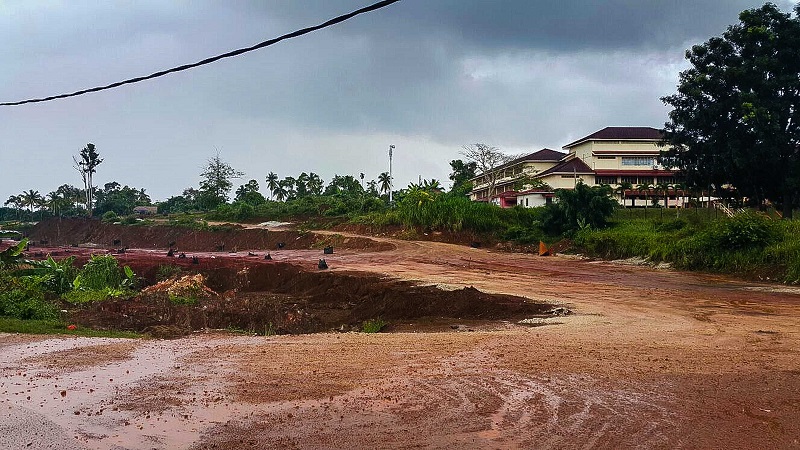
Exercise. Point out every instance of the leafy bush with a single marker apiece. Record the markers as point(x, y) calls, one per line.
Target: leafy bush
point(59, 276)
point(742, 231)
point(110, 217)
point(579, 208)
point(102, 272)
point(24, 298)
point(12, 256)
point(373, 325)
point(129, 220)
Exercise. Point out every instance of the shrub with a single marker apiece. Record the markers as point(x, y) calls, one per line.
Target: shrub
point(24, 298)
point(102, 272)
point(579, 208)
point(129, 220)
point(373, 325)
point(742, 231)
point(110, 217)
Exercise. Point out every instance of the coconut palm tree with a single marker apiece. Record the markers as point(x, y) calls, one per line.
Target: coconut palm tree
point(281, 191)
point(646, 188)
point(272, 184)
point(385, 182)
point(301, 185)
point(289, 183)
point(314, 184)
point(622, 188)
point(31, 198)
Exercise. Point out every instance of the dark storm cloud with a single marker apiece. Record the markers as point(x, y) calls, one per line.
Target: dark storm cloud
point(427, 75)
point(570, 25)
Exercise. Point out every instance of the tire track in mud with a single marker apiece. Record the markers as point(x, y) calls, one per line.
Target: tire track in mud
point(460, 400)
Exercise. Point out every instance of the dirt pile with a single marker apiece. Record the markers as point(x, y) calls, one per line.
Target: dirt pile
point(75, 231)
point(282, 298)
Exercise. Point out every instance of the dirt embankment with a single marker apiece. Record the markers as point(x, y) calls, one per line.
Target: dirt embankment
point(76, 231)
point(282, 298)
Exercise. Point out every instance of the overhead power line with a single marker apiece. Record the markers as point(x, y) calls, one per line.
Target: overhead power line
point(212, 59)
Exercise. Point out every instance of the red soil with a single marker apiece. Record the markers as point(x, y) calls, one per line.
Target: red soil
point(650, 359)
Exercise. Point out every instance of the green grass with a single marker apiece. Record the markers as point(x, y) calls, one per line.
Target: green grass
point(748, 244)
point(14, 325)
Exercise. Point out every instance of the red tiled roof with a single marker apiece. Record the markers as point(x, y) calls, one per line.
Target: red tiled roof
point(545, 154)
point(574, 165)
point(621, 134)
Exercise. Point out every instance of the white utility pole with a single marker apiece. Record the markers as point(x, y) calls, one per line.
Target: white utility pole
point(391, 182)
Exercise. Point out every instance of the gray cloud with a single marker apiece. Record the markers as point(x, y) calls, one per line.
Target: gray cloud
point(427, 76)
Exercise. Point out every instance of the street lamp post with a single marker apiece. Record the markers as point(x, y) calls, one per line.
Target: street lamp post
point(391, 184)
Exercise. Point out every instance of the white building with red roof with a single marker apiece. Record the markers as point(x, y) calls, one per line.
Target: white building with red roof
point(621, 157)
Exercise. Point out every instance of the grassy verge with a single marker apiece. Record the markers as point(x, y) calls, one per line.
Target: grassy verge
point(14, 325)
point(752, 245)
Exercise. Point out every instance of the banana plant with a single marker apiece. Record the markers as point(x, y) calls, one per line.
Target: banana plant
point(12, 256)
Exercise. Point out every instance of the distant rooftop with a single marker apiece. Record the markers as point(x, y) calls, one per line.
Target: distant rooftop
point(544, 155)
point(621, 134)
point(573, 166)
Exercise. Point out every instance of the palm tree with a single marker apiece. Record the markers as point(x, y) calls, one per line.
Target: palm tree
point(385, 182)
point(622, 189)
point(372, 187)
point(289, 183)
point(272, 184)
point(17, 201)
point(281, 192)
point(31, 198)
point(314, 184)
point(664, 187)
point(301, 184)
point(646, 188)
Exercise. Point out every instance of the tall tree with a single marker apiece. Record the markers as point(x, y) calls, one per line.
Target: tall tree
point(17, 202)
point(70, 193)
point(281, 191)
point(86, 165)
point(301, 185)
point(461, 174)
point(272, 184)
point(314, 184)
point(248, 193)
point(345, 185)
point(736, 115)
point(57, 203)
point(488, 161)
point(31, 199)
point(217, 182)
point(385, 182)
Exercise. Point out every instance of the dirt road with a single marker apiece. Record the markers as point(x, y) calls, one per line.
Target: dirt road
point(651, 359)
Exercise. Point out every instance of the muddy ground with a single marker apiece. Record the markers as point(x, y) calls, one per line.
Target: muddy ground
point(650, 359)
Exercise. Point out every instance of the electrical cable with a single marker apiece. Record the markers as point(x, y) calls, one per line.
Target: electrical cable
point(232, 53)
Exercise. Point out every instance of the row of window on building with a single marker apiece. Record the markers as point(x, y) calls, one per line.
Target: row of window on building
point(634, 180)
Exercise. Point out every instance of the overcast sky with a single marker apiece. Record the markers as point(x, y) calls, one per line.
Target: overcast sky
point(428, 76)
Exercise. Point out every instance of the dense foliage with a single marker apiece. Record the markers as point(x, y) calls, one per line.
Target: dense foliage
point(748, 243)
point(736, 116)
point(34, 290)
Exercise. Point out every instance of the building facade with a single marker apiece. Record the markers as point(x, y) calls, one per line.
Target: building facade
point(624, 158)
